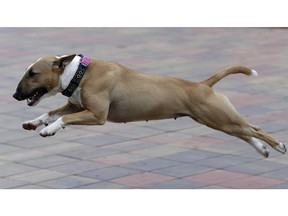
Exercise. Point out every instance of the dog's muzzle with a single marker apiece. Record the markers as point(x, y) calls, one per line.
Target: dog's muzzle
point(18, 96)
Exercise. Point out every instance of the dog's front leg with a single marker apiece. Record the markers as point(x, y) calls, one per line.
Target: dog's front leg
point(50, 116)
point(33, 124)
point(85, 117)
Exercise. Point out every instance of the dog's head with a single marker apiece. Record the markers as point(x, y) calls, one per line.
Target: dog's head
point(41, 79)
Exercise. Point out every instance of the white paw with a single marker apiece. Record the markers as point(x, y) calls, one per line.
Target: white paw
point(33, 124)
point(52, 129)
point(259, 146)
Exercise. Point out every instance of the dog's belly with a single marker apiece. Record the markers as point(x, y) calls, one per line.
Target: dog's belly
point(138, 110)
point(123, 117)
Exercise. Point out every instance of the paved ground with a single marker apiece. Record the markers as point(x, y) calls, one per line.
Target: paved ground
point(157, 154)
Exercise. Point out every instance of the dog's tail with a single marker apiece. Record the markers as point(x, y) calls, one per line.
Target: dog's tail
point(233, 70)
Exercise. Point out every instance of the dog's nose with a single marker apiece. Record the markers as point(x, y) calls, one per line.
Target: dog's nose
point(16, 96)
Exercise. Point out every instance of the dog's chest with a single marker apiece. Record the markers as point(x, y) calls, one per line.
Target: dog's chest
point(76, 97)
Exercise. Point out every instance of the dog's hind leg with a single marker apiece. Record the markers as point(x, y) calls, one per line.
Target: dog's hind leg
point(218, 113)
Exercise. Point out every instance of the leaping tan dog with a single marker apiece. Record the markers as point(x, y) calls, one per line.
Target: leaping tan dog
point(110, 91)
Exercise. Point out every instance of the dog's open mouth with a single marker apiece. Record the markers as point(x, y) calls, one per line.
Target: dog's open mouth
point(35, 96)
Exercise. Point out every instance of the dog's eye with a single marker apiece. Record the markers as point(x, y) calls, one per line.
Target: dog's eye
point(32, 74)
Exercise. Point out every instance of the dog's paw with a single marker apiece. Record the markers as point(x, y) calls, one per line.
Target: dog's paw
point(46, 133)
point(29, 125)
point(33, 124)
point(52, 129)
point(280, 148)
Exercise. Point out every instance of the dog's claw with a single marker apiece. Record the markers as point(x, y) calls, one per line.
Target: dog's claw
point(43, 135)
point(46, 135)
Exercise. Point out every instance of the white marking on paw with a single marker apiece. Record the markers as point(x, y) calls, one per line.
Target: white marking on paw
point(53, 128)
point(260, 147)
point(38, 121)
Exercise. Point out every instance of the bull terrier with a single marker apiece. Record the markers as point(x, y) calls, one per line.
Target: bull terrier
point(100, 91)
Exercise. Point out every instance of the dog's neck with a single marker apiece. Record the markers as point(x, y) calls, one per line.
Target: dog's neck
point(69, 72)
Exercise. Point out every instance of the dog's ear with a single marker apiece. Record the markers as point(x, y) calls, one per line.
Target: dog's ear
point(62, 61)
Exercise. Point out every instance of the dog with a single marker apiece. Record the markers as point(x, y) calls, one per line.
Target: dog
point(100, 91)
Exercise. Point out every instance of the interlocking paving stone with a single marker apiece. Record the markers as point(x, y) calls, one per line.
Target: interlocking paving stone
point(89, 152)
point(198, 151)
point(68, 182)
point(32, 142)
point(159, 151)
point(108, 173)
point(60, 147)
point(139, 132)
point(11, 135)
point(103, 185)
point(142, 179)
point(36, 176)
point(251, 153)
point(199, 130)
point(150, 164)
point(121, 158)
point(256, 168)
point(200, 142)
point(214, 187)
point(132, 145)
point(49, 161)
point(233, 147)
point(8, 183)
point(278, 159)
point(223, 161)
point(278, 174)
point(252, 182)
point(170, 125)
point(4, 148)
point(9, 169)
point(176, 184)
point(169, 138)
point(191, 156)
point(78, 167)
point(183, 170)
point(279, 186)
point(31, 186)
point(100, 140)
point(22, 155)
point(216, 176)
